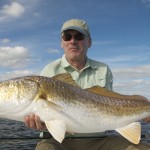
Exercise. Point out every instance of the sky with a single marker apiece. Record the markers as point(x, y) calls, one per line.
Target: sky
point(120, 31)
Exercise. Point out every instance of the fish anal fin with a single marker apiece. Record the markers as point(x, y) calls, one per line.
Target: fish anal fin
point(132, 132)
point(57, 128)
point(67, 78)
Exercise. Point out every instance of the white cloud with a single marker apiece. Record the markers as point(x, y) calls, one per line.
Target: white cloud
point(36, 14)
point(120, 58)
point(145, 1)
point(132, 87)
point(53, 51)
point(132, 80)
point(5, 40)
point(14, 74)
point(14, 10)
point(132, 72)
point(123, 60)
point(129, 54)
point(14, 57)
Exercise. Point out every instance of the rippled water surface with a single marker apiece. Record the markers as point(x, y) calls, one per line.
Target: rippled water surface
point(15, 136)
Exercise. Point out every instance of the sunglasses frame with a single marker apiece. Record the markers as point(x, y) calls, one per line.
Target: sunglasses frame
point(77, 36)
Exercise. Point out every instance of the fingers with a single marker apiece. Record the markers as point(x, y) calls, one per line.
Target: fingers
point(39, 125)
point(32, 121)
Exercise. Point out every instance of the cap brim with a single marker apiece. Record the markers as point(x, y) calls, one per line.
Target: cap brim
point(75, 28)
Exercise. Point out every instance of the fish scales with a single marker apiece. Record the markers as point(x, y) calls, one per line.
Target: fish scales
point(75, 94)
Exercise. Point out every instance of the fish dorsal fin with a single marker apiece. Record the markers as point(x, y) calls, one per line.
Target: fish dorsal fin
point(57, 128)
point(67, 78)
point(139, 97)
point(103, 92)
point(132, 132)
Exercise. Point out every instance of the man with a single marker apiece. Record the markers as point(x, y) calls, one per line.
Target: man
point(75, 40)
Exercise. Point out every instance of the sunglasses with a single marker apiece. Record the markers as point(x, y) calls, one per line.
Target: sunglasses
point(68, 36)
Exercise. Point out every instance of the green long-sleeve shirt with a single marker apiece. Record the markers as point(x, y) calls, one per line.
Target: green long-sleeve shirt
point(94, 73)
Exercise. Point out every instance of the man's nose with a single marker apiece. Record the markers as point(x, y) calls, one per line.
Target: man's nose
point(73, 40)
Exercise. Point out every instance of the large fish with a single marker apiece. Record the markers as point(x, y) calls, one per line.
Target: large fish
point(65, 107)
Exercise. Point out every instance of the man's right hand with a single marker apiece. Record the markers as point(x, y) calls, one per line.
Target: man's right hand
point(32, 121)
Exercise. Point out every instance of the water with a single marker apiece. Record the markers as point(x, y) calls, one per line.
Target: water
point(15, 136)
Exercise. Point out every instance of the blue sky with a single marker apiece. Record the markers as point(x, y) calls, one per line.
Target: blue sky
point(120, 30)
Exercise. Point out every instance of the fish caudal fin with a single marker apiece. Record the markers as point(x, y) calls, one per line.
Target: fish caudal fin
point(57, 128)
point(132, 132)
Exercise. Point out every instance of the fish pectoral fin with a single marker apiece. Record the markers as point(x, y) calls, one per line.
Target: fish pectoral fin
point(46, 104)
point(54, 106)
point(132, 132)
point(57, 128)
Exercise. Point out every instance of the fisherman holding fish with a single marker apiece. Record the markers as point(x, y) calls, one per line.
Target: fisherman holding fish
point(75, 40)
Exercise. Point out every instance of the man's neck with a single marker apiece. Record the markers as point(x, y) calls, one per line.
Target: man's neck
point(79, 64)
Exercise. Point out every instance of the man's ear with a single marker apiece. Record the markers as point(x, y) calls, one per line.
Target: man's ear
point(61, 44)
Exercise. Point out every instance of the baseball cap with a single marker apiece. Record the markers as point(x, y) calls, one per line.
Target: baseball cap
point(76, 24)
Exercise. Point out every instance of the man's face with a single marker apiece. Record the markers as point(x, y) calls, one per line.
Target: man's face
point(75, 44)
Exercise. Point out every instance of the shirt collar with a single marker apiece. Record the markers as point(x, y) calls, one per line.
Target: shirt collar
point(65, 63)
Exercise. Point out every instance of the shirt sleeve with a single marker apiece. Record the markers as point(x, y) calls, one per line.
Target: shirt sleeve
point(53, 69)
point(49, 71)
point(109, 80)
point(45, 71)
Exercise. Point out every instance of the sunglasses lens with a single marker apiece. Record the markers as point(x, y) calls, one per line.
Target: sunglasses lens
point(79, 36)
point(68, 37)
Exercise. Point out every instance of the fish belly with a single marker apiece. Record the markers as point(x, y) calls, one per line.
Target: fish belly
point(82, 121)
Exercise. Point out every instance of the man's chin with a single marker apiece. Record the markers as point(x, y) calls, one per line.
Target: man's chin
point(74, 57)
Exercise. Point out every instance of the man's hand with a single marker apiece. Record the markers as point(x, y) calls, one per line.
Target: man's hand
point(32, 121)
